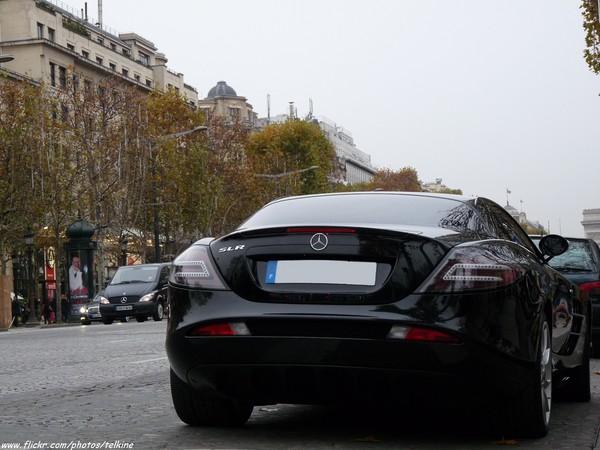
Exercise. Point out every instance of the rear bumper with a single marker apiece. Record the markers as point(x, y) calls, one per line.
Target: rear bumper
point(325, 371)
point(300, 360)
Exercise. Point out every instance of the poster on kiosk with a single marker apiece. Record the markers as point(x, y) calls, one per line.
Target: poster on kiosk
point(79, 279)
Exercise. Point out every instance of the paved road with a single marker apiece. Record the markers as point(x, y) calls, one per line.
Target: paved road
point(108, 386)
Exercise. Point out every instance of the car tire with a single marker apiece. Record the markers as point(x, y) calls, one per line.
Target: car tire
point(107, 321)
point(86, 322)
point(140, 318)
point(197, 409)
point(527, 415)
point(159, 313)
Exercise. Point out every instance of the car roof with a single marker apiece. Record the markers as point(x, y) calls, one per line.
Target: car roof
point(457, 197)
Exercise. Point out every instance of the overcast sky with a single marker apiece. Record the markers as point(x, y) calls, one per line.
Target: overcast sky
point(489, 96)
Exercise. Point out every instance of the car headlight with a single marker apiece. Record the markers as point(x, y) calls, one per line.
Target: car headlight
point(83, 310)
point(148, 297)
point(104, 301)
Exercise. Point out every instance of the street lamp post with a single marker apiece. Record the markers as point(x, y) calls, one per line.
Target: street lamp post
point(29, 238)
point(123, 244)
point(155, 211)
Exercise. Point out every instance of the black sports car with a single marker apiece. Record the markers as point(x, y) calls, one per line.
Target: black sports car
point(376, 298)
point(581, 264)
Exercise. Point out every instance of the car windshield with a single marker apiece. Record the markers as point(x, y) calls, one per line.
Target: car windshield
point(577, 258)
point(367, 208)
point(133, 274)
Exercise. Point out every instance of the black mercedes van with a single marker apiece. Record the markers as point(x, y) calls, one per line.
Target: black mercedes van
point(138, 291)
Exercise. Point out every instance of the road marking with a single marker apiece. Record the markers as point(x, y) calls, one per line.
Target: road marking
point(149, 360)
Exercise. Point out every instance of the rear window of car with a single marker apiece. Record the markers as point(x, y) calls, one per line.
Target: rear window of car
point(356, 209)
point(577, 257)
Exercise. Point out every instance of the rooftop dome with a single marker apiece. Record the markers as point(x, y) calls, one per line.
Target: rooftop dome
point(221, 89)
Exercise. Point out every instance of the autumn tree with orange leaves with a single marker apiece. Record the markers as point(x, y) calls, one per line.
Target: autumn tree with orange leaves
point(290, 158)
point(23, 119)
point(405, 179)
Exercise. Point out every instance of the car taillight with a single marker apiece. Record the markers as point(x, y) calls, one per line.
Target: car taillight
point(471, 268)
point(592, 288)
point(194, 269)
point(420, 334)
point(221, 329)
point(325, 230)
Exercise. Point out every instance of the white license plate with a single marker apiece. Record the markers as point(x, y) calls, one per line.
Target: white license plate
point(355, 273)
point(123, 308)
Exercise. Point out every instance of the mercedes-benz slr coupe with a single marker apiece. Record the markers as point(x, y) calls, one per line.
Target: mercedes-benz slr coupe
point(377, 298)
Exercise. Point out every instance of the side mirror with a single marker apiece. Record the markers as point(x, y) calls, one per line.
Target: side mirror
point(553, 245)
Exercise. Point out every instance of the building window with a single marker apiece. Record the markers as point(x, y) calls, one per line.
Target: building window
point(85, 54)
point(51, 34)
point(112, 66)
point(52, 74)
point(40, 30)
point(137, 77)
point(62, 76)
point(99, 60)
point(113, 46)
point(125, 72)
point(148, 82)
point(71, 47)
point(126, 52)
point(144, 59)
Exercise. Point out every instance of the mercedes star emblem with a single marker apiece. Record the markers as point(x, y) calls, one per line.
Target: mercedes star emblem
point(123, 299)
point(318, 242)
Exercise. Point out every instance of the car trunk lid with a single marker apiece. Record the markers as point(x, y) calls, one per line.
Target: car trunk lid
point(324, 264)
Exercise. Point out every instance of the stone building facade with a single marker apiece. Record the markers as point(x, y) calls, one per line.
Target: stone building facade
point(355, 165)
point(591, 224)
point(51, 41)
